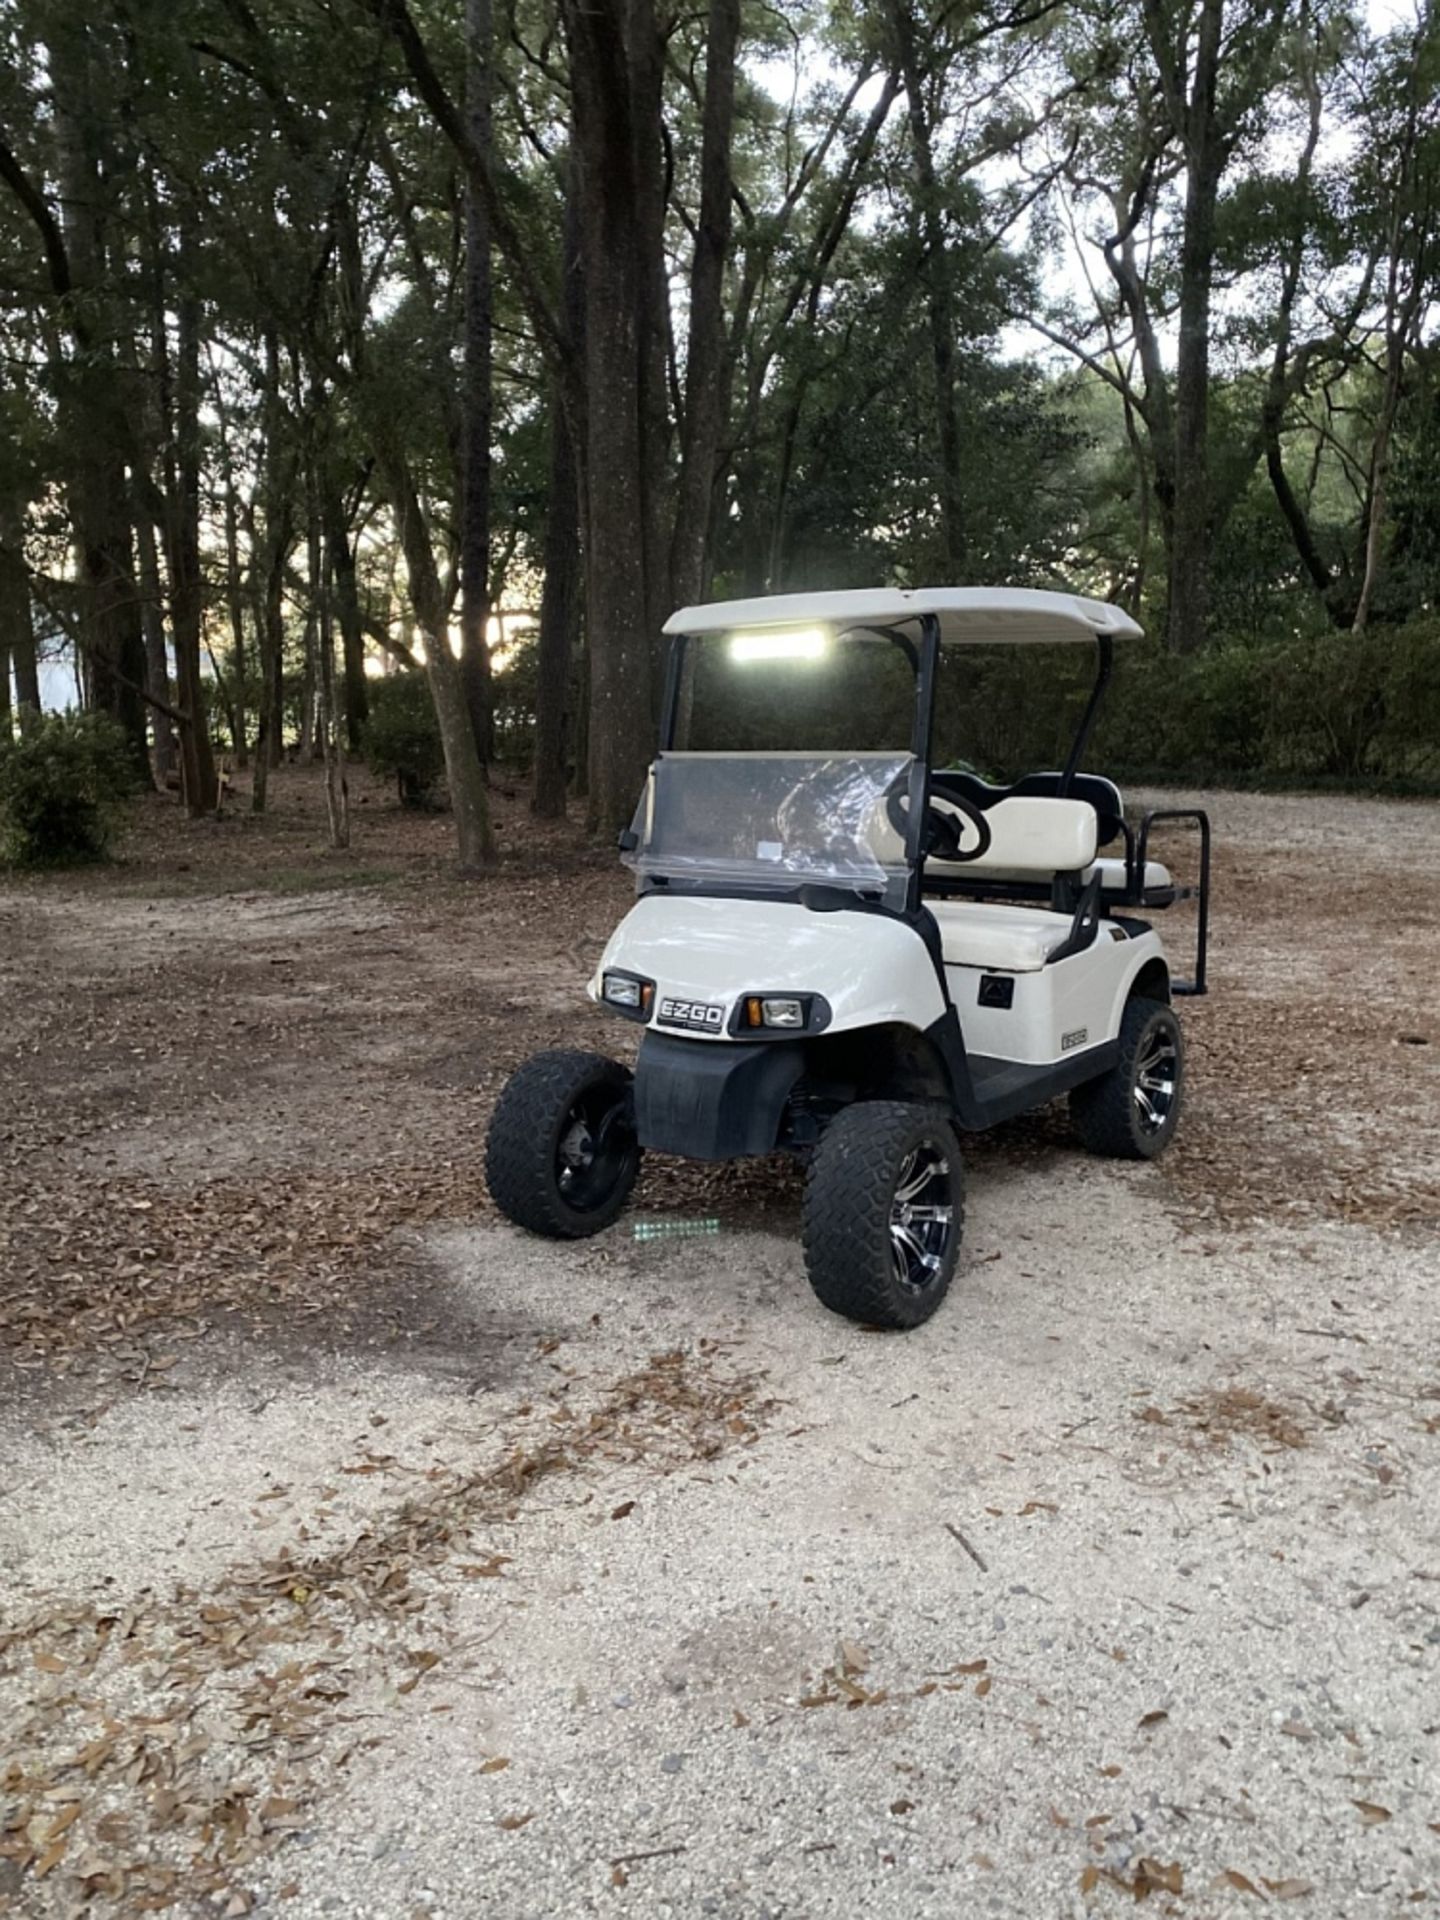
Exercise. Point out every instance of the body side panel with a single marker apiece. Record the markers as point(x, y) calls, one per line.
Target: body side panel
point(1075, 1003)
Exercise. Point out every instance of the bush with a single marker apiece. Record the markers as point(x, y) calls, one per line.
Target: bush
point(60, 782)
point(1321, 709)
point(402, 737)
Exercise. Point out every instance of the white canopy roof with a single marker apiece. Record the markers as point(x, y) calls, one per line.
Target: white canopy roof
point(978, 616)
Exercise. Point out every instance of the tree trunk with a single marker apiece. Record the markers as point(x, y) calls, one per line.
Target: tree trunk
point(615, 458)
point(646, 63)
point(346, 601)
point(475, 505)
point(327, 717)
point(1376, 500)
point(1190, 543)
point(235, 606)
point(939, 293)
point(17, 616)
point(197, 759)
point(1182, 464)
point(90, 397)
point(556, 735)
point(464, 774)
point(157, 664)
point(705, 385)
point(279, 509)
point(309, 746)
point(559, 622)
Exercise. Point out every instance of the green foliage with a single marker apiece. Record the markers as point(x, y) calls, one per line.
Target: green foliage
point(1316, 709)
point(60, 783)
point(402, 737)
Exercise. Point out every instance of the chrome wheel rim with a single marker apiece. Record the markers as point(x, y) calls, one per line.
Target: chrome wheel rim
point(922, 1217)
point(596, 1141)
point(1157, 1079)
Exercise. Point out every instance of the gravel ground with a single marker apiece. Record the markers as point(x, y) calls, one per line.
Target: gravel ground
point(623, 1579)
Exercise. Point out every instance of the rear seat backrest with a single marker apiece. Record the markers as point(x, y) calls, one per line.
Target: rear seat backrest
point(1029, 836)
point(1102, 794)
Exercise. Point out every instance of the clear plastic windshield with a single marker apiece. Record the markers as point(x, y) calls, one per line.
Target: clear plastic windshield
point(776, 820)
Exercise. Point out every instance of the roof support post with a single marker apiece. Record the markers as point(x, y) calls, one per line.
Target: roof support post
point(670, 699)
point(1105, 647)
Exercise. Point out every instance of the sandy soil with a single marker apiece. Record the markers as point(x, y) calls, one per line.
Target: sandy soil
point(360, 1556)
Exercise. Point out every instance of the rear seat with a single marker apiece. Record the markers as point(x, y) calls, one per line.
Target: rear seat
point(1032, 839)
point(1001, 939)
point(1009, 823)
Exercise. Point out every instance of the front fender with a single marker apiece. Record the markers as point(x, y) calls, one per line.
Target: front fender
point(708, 1100)
point(872, 968)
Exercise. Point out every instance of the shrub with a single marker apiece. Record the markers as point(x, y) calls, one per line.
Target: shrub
point(60, 782)
point(402, 737)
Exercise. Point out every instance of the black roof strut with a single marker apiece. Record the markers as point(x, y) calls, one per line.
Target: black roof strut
point(1105, 647)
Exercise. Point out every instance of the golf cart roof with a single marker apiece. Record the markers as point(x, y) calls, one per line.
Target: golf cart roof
point(975, 616)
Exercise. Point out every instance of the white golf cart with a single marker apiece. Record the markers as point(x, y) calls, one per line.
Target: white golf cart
point(856, 955)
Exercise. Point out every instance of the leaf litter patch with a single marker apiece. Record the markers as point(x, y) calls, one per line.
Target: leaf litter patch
point(1218, 1415)
point(160, 1749)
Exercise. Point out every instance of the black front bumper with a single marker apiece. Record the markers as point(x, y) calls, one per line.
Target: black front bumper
point(713, 1099)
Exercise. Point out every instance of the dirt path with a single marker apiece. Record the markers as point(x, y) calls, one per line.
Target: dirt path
point(359, 1556)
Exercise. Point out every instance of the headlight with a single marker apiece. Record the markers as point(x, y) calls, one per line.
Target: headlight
point(627, 993)
point(766, 1010)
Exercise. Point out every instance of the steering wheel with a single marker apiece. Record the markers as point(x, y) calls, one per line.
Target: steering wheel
point(941, 836)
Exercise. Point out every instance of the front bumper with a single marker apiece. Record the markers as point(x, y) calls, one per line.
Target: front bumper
point(709, 1100)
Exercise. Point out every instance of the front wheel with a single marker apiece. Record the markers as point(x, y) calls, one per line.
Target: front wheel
point(884, 1212)
point(1130, 1113)
point(561, 1156)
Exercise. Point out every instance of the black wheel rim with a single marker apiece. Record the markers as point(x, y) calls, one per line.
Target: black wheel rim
point(922, 1217)
point(1157, 1079)
point(595, 1146)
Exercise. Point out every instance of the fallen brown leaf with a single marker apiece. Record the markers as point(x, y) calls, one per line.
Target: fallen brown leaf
point(1230, 1877)
point(1155, 1876)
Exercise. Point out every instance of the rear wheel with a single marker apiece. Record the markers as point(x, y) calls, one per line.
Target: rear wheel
point(1130, 1113)
point(884, 1213)
point(561, 1155)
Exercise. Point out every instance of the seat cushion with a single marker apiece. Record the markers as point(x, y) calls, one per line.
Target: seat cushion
point(1102, 794)
point(1113, 877)
point(1003, 939)
point(1029, 835)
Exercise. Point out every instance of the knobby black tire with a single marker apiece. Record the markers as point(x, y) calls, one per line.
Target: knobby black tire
point(522, 1147)
point(1103, 1111)
point(848, 1197)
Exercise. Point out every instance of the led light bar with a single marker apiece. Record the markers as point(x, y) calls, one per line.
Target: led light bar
point(784, 643)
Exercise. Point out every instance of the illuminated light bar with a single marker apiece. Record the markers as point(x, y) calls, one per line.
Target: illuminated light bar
point(784, 643)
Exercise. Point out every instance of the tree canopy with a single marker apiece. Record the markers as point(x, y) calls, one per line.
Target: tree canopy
point(478, 334)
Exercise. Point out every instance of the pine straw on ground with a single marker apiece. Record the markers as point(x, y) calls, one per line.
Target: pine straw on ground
point(236, 1063)
point(172, 1743)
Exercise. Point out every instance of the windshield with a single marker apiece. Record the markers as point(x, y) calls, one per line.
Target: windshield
point(794, 691)
point(775, 821)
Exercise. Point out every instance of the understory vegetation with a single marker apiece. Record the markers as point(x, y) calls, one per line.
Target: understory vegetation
point(62, 780)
